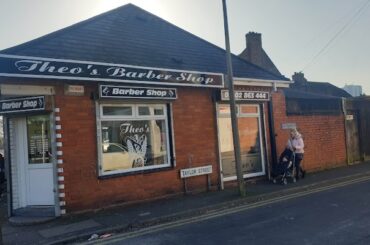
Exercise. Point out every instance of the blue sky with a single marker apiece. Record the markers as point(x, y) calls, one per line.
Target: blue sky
point(293, 31)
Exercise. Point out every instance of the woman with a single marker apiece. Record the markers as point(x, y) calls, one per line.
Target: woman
point(296, 144)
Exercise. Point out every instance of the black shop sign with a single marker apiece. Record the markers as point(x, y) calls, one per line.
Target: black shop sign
point(110, 91)
point(242, 95)
point(35, 67)
point(22, 104)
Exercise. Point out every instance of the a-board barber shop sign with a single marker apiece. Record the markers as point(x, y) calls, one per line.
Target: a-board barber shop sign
point(22, 104)
point(119, 92)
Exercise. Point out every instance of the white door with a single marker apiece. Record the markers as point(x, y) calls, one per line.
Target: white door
point(35, 161)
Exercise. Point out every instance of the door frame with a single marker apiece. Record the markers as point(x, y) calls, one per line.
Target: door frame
point(22, 183)
point(20, 153)
point(261, 128)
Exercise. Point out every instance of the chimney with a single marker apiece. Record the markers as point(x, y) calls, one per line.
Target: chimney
point(254, 48)
point(299, 79)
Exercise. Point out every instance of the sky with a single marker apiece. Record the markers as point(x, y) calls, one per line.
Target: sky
point(329, 40)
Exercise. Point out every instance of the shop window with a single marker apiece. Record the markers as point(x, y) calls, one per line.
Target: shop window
point(38, 139)
point(248, 109)
point(250, 139)
point(117, 111)
point(133, 138)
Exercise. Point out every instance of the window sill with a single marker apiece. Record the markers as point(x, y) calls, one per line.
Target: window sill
point(147, 171)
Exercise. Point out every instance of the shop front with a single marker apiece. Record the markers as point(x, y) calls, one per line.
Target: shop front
point(132, 114)
point(75, 143)
point(31, 152)
point(250, 110)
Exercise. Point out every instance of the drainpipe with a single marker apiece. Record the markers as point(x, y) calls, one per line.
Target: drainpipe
point(274, 86)
point(272, 131)
point(344, 111)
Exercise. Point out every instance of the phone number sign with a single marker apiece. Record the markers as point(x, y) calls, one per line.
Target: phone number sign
point(246, 95)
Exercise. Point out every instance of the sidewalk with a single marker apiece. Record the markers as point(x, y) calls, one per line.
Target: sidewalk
point(121, 219)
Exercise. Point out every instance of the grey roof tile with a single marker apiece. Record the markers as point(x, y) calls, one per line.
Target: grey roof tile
point(133, 36)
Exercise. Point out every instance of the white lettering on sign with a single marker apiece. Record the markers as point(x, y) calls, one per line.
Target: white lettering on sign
point(38, 67)
point(190, 172)
point(136, 92)
point(22, 104)
point(246, 95)
point(117, 91)
point(11, 105)
point(160, 93)
point(29, 104)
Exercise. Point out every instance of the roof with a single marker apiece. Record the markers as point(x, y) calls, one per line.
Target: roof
point(299, 94)
point(323, 88)
point(267, 63)
point(132, 36)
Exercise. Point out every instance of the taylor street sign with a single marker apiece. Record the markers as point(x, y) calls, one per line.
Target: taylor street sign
point(110, 91)
point(22, 104)
point(35, 67)
point(246, 95)
point(190, 172)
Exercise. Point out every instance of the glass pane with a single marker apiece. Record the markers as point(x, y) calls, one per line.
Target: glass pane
point(158, 111)
point(144, 111)
point(251, 159)
point(226, 147)
point(134, 144)
point(245, 109)
point(250, 145)
point(38, 138)
point(224, 109)
point(117, 110)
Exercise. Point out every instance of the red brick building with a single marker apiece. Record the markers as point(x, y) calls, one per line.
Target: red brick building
point(100, 115)
point(122, 107)
point(315, 108)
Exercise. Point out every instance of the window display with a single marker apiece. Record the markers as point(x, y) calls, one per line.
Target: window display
point(133, 137)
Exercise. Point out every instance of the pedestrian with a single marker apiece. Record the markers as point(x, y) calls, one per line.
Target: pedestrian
point(296, 144)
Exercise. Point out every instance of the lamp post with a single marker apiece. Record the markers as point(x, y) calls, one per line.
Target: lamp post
point(234, 119)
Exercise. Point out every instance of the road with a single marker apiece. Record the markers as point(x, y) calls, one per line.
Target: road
point(336, 216)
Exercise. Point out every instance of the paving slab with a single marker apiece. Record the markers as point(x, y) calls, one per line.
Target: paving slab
point(70, 228)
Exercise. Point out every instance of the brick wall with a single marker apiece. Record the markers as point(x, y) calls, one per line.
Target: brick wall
point(195, 144)
point(324, 136)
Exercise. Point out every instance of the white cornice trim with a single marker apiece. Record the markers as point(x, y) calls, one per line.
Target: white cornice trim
point(262, 83)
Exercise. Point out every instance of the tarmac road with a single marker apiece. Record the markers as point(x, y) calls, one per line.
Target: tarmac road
point(340, 215)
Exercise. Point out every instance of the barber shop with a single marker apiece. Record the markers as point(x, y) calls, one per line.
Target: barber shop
point(95, 117)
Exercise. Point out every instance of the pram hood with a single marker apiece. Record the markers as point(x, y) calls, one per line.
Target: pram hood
point(288, 154)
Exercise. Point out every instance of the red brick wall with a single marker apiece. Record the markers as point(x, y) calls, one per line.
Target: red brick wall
point(324, 136)
point(195, 144)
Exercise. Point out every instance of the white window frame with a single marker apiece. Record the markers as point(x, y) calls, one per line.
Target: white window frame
point(134, 117)
point(262, 146)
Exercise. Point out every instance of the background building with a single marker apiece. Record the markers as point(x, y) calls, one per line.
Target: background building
point(354, 90)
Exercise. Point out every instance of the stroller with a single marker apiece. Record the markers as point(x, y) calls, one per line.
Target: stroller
point(285, 168)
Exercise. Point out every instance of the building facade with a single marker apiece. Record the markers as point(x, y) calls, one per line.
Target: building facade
point(97, 115)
